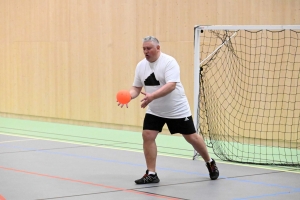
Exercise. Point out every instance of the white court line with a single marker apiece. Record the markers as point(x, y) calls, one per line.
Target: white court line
point(8, 141)
point(16, 140)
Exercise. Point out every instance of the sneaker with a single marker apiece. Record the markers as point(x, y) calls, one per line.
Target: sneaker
point(148, 178)
point(213, 170)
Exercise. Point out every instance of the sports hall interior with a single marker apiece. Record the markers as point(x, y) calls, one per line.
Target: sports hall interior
point(63, 61)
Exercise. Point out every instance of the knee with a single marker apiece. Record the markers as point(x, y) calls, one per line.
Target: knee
point(191, 138)
point(149, 135)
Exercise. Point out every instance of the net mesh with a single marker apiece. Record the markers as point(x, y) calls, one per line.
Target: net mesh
point(249, 100)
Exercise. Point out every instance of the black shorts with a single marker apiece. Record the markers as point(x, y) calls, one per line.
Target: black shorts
point(182, 125)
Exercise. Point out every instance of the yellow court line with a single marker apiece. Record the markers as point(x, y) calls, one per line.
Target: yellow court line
point(161, 154)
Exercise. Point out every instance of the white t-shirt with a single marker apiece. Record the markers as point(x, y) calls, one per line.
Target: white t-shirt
point(153, 76)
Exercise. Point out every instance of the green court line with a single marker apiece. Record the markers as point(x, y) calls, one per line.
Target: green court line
point(168, 145)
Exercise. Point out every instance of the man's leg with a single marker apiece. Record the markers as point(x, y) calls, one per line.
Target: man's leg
point(199, 145)
point(150, 148)
point(150, 153)
point(151, 127)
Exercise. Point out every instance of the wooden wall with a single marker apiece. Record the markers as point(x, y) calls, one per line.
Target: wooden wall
point(64, 60)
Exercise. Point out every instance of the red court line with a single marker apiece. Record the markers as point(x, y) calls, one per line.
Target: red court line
point(1, 197)
point(89, 183)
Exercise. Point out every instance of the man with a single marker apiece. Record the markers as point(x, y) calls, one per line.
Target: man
point(164, 95)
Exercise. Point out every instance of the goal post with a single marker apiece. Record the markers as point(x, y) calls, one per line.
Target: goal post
point(247, 92)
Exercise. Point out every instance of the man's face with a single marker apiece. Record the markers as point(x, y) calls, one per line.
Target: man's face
point(151, 51)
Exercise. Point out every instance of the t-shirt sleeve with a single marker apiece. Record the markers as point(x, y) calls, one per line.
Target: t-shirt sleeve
point(137, 82)
point(172, 72)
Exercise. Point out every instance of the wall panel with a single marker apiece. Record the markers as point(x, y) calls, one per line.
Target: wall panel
point(65, 60)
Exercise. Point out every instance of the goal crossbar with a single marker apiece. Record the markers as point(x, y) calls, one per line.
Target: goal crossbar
point(247, 27)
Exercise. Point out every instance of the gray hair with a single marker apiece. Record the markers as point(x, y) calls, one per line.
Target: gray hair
point(152, 39)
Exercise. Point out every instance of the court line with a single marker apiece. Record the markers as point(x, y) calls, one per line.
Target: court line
point(238, 179)
point(266, 195)
point(8, 141)
point(91, 183)
point(290, 170)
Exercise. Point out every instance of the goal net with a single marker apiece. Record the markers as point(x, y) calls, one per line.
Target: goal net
point(247, 92)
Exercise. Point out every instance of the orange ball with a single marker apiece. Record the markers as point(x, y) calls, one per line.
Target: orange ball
point(123, 96)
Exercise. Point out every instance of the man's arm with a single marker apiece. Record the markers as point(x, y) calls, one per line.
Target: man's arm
point(163, 91)
point(135, 91)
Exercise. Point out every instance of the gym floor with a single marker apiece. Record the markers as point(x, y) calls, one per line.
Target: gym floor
point(40, 160)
